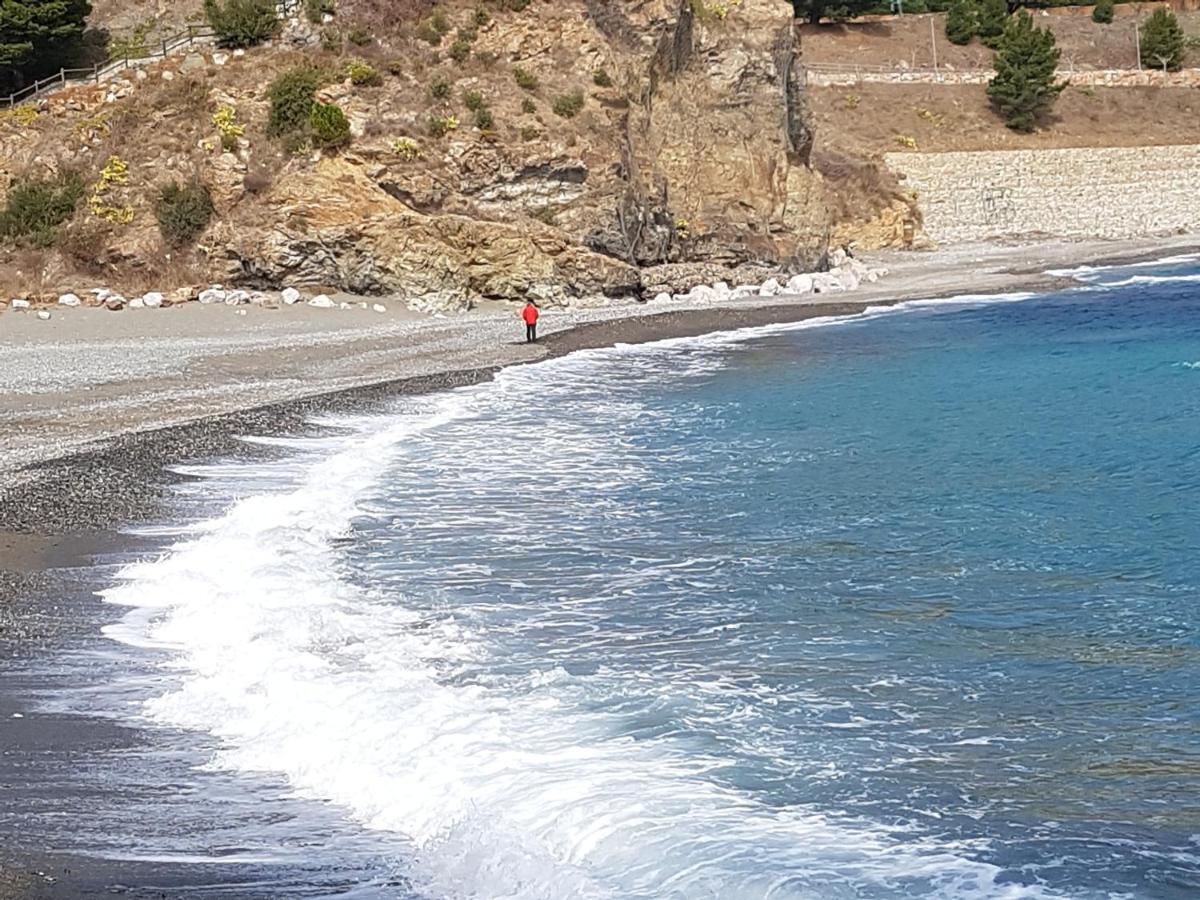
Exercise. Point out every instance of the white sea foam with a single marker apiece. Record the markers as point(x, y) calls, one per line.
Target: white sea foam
point(492, 790)
point(1084, 272)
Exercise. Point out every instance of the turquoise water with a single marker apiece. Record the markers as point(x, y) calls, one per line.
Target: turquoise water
point(896, 607)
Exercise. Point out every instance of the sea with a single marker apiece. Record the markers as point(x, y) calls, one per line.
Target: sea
point(899, 605)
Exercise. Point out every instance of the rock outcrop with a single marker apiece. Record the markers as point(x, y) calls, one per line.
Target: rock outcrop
point(692, 151)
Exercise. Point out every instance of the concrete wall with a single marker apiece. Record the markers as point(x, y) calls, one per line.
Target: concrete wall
point(1105, 192)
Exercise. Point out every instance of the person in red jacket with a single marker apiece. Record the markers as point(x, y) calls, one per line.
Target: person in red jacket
point(530, 315)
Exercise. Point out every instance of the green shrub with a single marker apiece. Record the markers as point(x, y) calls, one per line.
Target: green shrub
point(439, 88)
point(35, 207)
point(993, 16)
point(183, 211)
point(242, 23)
point(459, 51)
point(526, 80)
point(440, 126)
point(292, 96)
point(359, 36)
point(1162, 41)
point(484, 119)
point(363, 74)
point(568, 105)
point(486, 57)
point(433, 28)
point(962, 21)
point(331, 41)
point(601, 78)
point(474, 101)
point(481, 17)
point(468, 34)
point(529, 133)
point(1103, 11)
point(528, 106)
point(397, 66)
point(316, 10)
point(330, 127)
point(1023, 89)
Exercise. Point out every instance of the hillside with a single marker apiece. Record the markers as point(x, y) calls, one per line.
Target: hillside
point(644, 134)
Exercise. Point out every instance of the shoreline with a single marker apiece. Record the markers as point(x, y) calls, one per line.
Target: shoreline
point(67, 508)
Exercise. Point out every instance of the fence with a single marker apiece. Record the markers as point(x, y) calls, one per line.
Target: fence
point(105, 70)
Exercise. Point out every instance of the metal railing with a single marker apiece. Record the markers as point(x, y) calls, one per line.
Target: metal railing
point(102, 71)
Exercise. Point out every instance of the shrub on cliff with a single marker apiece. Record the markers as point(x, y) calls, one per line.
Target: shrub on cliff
point(363, 74)
point(962, 22)
point(183, 211)
point(526, 80)
point(330, 127)
point(1162, 41)
point(1023, 88)
point(568, 105)
point(316, 10)
point(1103, 11)
point(993, 16)
point(292, 96)
point(241, 23)
point(35, 207)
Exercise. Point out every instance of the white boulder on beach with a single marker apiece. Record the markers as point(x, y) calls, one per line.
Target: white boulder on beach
point(68, 300)
point(290, 296)
point(321, 301)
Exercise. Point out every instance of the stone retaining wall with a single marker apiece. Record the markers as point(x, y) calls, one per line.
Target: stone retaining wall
point(1109, 192)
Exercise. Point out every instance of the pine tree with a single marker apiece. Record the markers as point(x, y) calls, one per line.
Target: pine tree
point(1023, 88)
point(1103, 11)
point(962, 21)
point(993, 16)
point(37, 36)
point(1162, 41)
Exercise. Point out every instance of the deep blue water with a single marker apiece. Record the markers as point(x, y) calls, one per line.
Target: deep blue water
point(895, 607)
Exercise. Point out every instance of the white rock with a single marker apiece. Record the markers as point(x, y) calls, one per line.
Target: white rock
point(43, 314)
point(212, 295)
point(237, 298)
point(800, 284)
point(137, 303)
point(219, 59)
point(239, 312)
point(379, 308)
point(321, 302)
point(770, 288)
point(68, 300)
point(825, 282)
point(837, 258)
point(343, 306)
point(101, 293)
point(153, 299)
point(239, 52)
point(662, 298)
point(168, 75)
point(741, 292)
point(846, 278)
point(19, 303)
point(326, 19)
point(702, 293)
point(290, 296)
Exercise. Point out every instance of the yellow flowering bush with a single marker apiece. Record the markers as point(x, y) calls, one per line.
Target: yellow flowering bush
point(114, 174)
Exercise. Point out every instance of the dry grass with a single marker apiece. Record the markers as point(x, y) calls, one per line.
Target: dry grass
point(941, 118)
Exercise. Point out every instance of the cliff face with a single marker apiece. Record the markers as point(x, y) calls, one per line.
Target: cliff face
point(692, 147)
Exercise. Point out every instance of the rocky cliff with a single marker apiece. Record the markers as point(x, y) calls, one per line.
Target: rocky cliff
point(690, 146)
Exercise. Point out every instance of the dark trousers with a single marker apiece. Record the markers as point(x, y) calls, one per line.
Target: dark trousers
point(530, 332)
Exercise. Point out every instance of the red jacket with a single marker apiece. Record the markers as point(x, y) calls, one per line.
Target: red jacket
point(530, 314)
